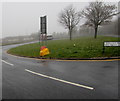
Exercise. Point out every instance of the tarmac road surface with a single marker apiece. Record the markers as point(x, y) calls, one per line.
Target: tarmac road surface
point(24, 78)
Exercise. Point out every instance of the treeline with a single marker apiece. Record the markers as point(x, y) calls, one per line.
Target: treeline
point(106, 29)
point(110, 29)
point(20, 39)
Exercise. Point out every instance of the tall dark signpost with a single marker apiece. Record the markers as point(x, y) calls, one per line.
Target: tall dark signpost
point(43, 24)
point(43, 35)
point(43, 29)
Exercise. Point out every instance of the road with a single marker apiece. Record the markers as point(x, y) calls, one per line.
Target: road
point(24, 78)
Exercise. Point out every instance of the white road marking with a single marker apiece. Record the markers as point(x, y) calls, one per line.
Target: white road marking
point(7, 63)
point(75, 84)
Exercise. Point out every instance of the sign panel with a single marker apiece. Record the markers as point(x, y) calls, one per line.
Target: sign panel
point(108, 44)
point(43, 25)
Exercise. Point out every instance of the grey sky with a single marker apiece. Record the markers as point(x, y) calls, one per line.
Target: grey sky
point(22, 18)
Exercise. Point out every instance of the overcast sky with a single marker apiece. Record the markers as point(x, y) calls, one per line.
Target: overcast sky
point(22, 18)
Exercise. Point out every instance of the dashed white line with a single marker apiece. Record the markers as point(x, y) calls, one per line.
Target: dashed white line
point(75, 84)
point(7, 63)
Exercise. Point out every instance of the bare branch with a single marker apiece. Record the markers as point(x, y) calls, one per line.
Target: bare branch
point(69, 18)
point(99, 12)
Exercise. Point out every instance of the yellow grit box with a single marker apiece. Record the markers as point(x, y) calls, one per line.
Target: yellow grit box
point(44, 52)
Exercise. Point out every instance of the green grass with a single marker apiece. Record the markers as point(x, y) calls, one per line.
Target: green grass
point(86, 47)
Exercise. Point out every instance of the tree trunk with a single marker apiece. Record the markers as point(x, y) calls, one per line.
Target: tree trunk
point(96, 29)
point(70, 33)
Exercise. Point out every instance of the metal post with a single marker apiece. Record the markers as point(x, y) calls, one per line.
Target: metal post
point(103, 48)
point(43, 28)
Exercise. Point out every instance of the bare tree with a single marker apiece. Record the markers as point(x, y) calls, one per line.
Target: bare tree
point(97, 13)
point(69, 18)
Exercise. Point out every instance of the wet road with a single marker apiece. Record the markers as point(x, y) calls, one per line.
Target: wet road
point(57, 79)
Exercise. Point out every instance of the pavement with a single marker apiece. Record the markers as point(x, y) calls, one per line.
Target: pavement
point(24, 78)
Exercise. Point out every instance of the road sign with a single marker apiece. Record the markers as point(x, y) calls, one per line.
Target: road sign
point(110, 44)
point(43, 24)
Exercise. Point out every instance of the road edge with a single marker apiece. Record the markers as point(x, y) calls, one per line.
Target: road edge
point(69, 59)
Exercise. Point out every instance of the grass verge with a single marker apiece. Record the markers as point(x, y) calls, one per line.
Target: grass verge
point(85, 47)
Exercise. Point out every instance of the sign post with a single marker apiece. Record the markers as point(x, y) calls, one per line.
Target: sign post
point(43, 29)
point(43, 36)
